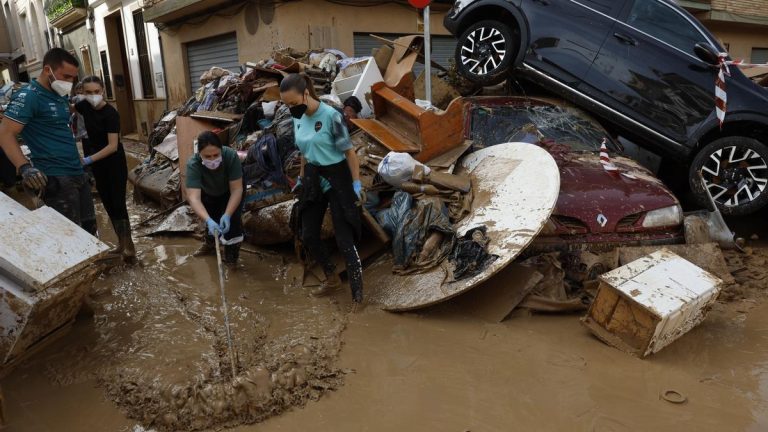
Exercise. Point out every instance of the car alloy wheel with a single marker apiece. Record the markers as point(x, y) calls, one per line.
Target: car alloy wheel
point(483, 50)
point(735, 175)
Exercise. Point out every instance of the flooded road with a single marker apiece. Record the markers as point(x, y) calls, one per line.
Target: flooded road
point(152, 353)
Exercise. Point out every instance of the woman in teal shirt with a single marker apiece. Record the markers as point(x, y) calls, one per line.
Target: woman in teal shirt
point(330, 176)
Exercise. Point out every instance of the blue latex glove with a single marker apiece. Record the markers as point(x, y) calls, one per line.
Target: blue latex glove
point(87, 160)
point(358, 187)
point(225, 223)
point(213, 227)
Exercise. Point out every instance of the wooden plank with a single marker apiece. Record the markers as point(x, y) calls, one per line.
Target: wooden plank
point(187, 130)
point(217, 116)
point(386, 136)
point(495, 299)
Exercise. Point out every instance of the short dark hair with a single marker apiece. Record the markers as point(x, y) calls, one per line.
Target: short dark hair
point(92, 79)
point(354, 103)
point(206, 139)
point(56, 56)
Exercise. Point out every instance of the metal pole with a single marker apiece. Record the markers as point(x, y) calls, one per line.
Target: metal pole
point(224, 307)
point(427, 58)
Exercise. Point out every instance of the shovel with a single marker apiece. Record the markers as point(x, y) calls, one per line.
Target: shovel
point(224, 307)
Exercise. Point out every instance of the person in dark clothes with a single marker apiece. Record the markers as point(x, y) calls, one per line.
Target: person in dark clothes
point(215, 192)
point(330, 176)
point(352, 108)
point(106, 157)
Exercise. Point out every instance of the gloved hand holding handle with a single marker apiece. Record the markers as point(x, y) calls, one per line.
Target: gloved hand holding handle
point(358, 188)
point(213, 227)
point(225, 223)
point(32, 177)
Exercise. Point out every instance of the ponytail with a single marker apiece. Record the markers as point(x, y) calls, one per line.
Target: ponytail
point(299, 83)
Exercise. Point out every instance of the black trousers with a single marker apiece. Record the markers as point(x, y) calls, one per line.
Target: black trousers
point(216, 206)
point(71, 196)
point(312, 216)
point(7, 171)
point(111, 176)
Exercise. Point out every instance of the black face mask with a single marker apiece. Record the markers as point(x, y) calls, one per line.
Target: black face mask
point(297, 111)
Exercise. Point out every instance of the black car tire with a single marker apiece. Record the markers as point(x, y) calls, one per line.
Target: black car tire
point(736, 172)
point(485, 52)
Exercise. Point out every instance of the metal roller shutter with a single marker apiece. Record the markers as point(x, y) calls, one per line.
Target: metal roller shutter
point(218, 51)
point(443, 47)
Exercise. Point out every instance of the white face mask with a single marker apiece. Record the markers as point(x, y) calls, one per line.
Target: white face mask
point(62, 88)
point(94, 100)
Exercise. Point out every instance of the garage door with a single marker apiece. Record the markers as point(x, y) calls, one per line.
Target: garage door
point(216, 51)
point(443, 47)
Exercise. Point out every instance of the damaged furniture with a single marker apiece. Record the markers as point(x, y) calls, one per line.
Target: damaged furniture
point(402, 126)
point(46, 268)
point(649, 303)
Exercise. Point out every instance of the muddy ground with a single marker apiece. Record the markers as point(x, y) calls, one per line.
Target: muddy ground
point(152, 354)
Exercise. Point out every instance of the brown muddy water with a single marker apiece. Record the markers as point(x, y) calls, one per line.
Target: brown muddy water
point(152, 356)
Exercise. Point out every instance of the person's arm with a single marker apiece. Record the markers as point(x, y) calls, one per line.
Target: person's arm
point(113, 136)
point(112, 140)
point(235, 196)
point(301, 169)
point(9, 130)
point(354, 163)
point(193, 198)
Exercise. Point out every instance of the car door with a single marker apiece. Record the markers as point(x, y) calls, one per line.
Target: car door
point(647, 70)
point(566, 35)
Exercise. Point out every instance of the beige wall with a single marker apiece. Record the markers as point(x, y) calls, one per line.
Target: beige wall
point(740, 38)
point(147, 112)
point(5, 39)
point(302, 25)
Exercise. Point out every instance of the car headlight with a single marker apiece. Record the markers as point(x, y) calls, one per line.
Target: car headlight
point(663, 217)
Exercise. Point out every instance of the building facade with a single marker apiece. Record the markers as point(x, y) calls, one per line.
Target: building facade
point(741, 25)
point(128, 52)
point(29, 37)
point(196, 35)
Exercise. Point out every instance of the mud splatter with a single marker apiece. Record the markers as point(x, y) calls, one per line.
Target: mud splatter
point(158, 345)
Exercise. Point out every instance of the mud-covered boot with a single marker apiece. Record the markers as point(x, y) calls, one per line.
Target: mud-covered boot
point(123, 230)
point(207, 248)
point(332, 283)
point(117, 250)
point(231, 254)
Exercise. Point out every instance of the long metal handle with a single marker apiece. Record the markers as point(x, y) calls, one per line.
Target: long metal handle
point(224, 305)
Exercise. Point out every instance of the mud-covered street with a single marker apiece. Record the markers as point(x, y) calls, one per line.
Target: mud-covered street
point(150, 351)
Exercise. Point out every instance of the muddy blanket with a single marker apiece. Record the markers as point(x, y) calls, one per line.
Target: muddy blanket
point(422, 236)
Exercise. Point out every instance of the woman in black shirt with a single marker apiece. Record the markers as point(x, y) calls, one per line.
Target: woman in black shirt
point(107, 160)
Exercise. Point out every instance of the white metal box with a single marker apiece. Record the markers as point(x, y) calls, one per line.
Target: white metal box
point(647, 304)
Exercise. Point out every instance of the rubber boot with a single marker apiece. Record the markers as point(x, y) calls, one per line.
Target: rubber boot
point(118, 249)
point(129, 250)
point(207, 248)
point(332, 283)
point(231, 254)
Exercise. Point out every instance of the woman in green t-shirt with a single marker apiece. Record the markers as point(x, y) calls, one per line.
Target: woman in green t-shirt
point(215, 192)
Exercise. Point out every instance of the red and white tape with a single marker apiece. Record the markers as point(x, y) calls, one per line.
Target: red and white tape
point(605, 160)
point(721, 94)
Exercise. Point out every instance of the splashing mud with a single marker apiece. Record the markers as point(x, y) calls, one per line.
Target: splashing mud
point(158, 346)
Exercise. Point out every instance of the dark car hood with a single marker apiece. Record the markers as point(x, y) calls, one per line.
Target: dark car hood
point(587, 191)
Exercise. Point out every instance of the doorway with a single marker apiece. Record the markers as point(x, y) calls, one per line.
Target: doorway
point(120, 77)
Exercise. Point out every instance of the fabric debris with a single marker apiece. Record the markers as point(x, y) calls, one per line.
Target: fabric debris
point(411, 226)
point(470, 254)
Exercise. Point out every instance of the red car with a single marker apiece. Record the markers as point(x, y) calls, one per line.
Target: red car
point(596, 210)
